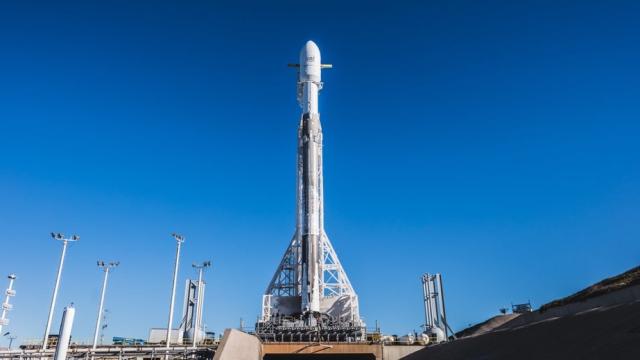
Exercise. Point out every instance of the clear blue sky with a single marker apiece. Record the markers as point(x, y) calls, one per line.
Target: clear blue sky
point(496, 142)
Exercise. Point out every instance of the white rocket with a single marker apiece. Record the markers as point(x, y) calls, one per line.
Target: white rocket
point(310, 277)
point(310, 227)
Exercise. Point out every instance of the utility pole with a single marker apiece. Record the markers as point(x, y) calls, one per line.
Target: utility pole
point(106, 268)
point(199, 301)
point(179, 240)
point(65, 242)
point(6, 306)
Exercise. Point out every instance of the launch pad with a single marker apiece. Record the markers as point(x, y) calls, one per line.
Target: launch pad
point(297, 329)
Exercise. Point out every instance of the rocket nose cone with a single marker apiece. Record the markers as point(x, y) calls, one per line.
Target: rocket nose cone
point(311, 48)
point(310, 62)
point(310, 53)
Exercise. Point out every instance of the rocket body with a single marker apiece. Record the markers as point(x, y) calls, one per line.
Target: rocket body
point(310, 227)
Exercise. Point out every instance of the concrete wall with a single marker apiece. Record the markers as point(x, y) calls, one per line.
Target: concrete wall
point(323, 349)
point(398, 352)
point(237, 345)
point(379, 351)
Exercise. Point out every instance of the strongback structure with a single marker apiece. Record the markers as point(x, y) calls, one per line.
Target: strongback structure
point(310, 290)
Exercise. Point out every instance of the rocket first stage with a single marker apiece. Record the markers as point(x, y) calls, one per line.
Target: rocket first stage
point(310, 281)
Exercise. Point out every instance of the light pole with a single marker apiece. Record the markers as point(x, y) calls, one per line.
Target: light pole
point(106, 268)
point(10, 337)
point(104, 325)
point(200, 298)
point(65, 242)
point(179, 240)
point(6, 306)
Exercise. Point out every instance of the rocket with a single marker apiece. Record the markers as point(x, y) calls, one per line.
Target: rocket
point(310, 219)
point(310, 279)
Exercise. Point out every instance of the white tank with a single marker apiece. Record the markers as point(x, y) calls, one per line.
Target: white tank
point(388, 339)
point(407, 339)
point(436, 335)
point(423, 339)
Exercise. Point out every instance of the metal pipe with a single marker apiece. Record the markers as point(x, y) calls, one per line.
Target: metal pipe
point(434, 301)
point(425, 302)
point(65, 333)
point(179, 240)
point(444, 312)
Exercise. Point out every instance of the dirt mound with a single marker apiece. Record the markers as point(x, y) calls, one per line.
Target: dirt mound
point(628, 278)
point(486, 326)
point(600, 322)
point(604, 333)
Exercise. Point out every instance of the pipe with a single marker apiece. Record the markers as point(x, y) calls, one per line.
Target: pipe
point(196, 327)
point(64, 335)
point(444, 312)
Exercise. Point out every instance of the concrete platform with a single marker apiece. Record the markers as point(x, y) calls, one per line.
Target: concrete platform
point(273, 351)
point(237, 345)
point(337, 351)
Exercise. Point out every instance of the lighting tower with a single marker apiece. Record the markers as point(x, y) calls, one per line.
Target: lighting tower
point(6, 306)
point(106, 268)
point(199, 299)
point(179, 240)
point(65, 242)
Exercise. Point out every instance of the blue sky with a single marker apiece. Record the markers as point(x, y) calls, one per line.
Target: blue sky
point(495, 142)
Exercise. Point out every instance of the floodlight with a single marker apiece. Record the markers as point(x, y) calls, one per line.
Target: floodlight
point(178, 237)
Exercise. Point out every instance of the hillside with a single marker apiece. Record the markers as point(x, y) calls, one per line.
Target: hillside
point(601, 321)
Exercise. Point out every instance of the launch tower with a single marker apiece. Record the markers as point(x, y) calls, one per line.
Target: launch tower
point(310, 297)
